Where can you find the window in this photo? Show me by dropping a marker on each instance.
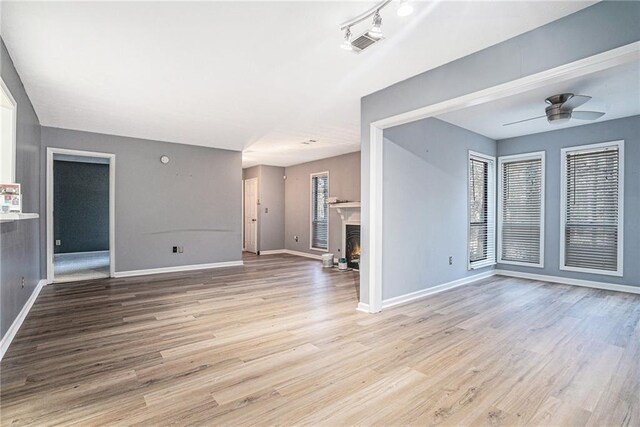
(591, 208)
(481, 245)
(8, 112)
(521, 209)
(319, 211)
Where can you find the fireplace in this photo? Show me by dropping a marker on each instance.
(350, 215)
(352, 245)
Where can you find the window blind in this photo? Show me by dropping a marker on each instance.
(521, 216)
(319, 211)
(481, 212)
(591, 209)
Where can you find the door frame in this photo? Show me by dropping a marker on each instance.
(601, 61)
(51, 151)
(255, 237)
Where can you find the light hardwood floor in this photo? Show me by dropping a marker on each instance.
(279, 341)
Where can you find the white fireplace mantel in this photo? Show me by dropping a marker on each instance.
(349, 211)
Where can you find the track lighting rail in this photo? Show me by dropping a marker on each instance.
(367, 14)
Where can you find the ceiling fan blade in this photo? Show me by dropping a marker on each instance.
(586, 115)
(575, 101)
(525, 120)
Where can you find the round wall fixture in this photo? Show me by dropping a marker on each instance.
(164, 159)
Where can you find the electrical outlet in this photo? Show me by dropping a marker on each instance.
(58, 242)
(450, 260)
(180, 249)
(266, 210)
(23, 282)
(175, 249)
(295, 238)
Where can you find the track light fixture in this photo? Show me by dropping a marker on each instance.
(346, 44)
(376, 30)
(405, 8)
(374, 34)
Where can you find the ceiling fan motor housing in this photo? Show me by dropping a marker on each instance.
(555, 113)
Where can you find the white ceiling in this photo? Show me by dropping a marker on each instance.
(261, 76)
(615, 91)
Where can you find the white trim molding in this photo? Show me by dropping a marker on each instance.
(291, 252)
(538, 155)
(619, 145)
(51, 151)
(176, 269)
(570, 281)
(8, 151)
(273, 252)
(402, 299)
(491, 210)
(373, 250)
(302, 254)
(363, 307)
(17, 322)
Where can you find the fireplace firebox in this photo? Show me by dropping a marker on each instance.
(352, 245)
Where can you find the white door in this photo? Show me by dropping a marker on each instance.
(251, 215)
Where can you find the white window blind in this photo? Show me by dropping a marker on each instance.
(481, 245)
(319, 211)
(592, 209)
(521, 207)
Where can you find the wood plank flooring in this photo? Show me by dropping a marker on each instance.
(279, 342)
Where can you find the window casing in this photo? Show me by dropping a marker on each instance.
(521, 192)
(592, 195)
(481, 211)
(319, 239)
(8, 117)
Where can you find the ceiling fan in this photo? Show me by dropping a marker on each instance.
(560, 109)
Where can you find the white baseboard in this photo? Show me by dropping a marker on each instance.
(304, 254)
(273, 252)
(176, 269)
(570, 281)
(15, 326)
(363, 307)
(391, 302)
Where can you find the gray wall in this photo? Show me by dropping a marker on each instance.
(425, 204)
(596, 29)
(272, 194)
(193, 201)
(344, 183)
(271, 205)
(81, 204)
(627, 129)
(19, 248)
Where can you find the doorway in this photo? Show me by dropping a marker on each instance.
(80, 215)
(251, 215)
